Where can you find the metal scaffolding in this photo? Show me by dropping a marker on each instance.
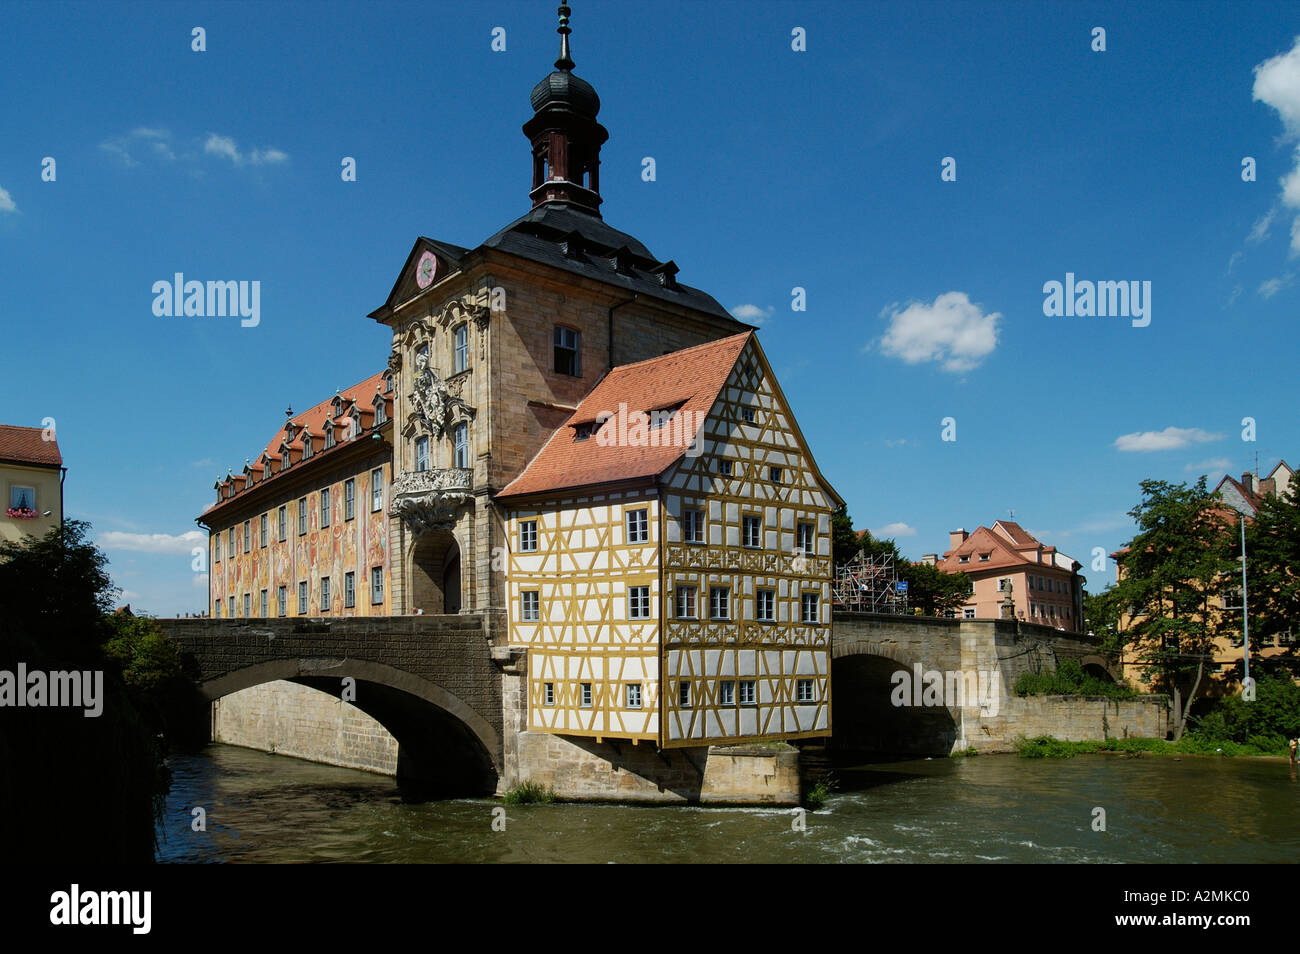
(870, 585)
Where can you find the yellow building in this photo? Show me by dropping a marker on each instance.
(31, 478)
(303, 530)
(670, 559)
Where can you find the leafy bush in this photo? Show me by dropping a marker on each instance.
(1265, 724)
(530, 793)
(821, 790)
(1069, 679)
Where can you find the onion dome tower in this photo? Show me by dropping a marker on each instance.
(565, 135)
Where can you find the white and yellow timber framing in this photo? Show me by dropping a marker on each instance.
(583, 568)
(581, 572)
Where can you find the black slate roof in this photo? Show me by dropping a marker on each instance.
(557, 234)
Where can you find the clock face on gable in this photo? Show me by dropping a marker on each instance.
(426, 269)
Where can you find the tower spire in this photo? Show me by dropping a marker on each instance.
(565, 62)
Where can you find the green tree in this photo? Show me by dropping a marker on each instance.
(844, 540)
(72, 788)
(1102, 614)
(1273, 567)
(931, 591)
(160, 680)
(1172, 578)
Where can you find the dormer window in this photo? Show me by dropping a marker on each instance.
(583, 431)
(329, 434)
(388, 382)
(380, 415)
(306, 445)
(984, 557)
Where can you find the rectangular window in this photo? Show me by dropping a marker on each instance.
(376, 585)
(548, 693)
(747, 694)
(349, 498)
(693, 526)
(968, 613)
(325, 507)
(804, 690)
(461, 336)
(530, 608)
(282, 601)
(719, 602)
(686, 602)
(282, 523)
(567, 359)
(765, 606)
(585, 689)
(752, 526)
(248, 535)
(727, 692)
(638, 602)
(248, 604)
(324, 594)
(528, 536)
(460, 436)
(422, 453)
(349, 590)
(216, 609)
(638, 526)
(634, 695)
(230, 542)
(748, 414)
(302, 596)
(984, 557)
(724, 468)
(775, 474)
(684, 694)
(216, 548)
(302, 516)
(810, 614)
(376, 490)
(262, 604)
(231, 604)
(261, 530)
(805, 539)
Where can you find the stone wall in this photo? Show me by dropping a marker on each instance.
(584, 770)
(289, 719)
(1072, 718)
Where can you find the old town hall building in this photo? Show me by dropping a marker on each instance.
(571, 442)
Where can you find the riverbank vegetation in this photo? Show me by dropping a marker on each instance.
(1069, 679)
(529, 793)
(82, 781)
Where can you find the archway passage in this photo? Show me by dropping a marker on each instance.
(445, 749)
(866, 722)
(435, 573)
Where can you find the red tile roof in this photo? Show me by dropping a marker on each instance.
(1008, 545)
(310, 422)
(690, 379)
(24, 444)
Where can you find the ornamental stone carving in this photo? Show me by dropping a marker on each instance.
(428, 500)
(431, 402)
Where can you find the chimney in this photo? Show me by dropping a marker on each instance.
(956, 538)
(1248, 481)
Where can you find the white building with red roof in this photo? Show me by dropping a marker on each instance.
(31, 479)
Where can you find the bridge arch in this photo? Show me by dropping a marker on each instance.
(446, 748)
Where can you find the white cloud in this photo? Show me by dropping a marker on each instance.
(752, 313)
(951, 329)
(1277, 84)
(7, 202)
(1274, 285)
(1171, 438)
(226, 147)
(153, 542)
(895, 443)
(898, 529)
(156, 142)
(1259, 231)
(1211, 466)
(205, 462)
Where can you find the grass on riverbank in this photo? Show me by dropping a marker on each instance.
(1048, 747)
(529, 793)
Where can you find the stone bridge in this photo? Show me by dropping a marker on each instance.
(872, 709)
(429, 680)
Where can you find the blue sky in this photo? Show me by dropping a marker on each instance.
(775, 169)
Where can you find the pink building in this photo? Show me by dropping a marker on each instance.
(1016, 576)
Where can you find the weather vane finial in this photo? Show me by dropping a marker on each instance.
(565, 62)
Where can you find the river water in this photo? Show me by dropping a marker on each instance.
(1000, 808)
